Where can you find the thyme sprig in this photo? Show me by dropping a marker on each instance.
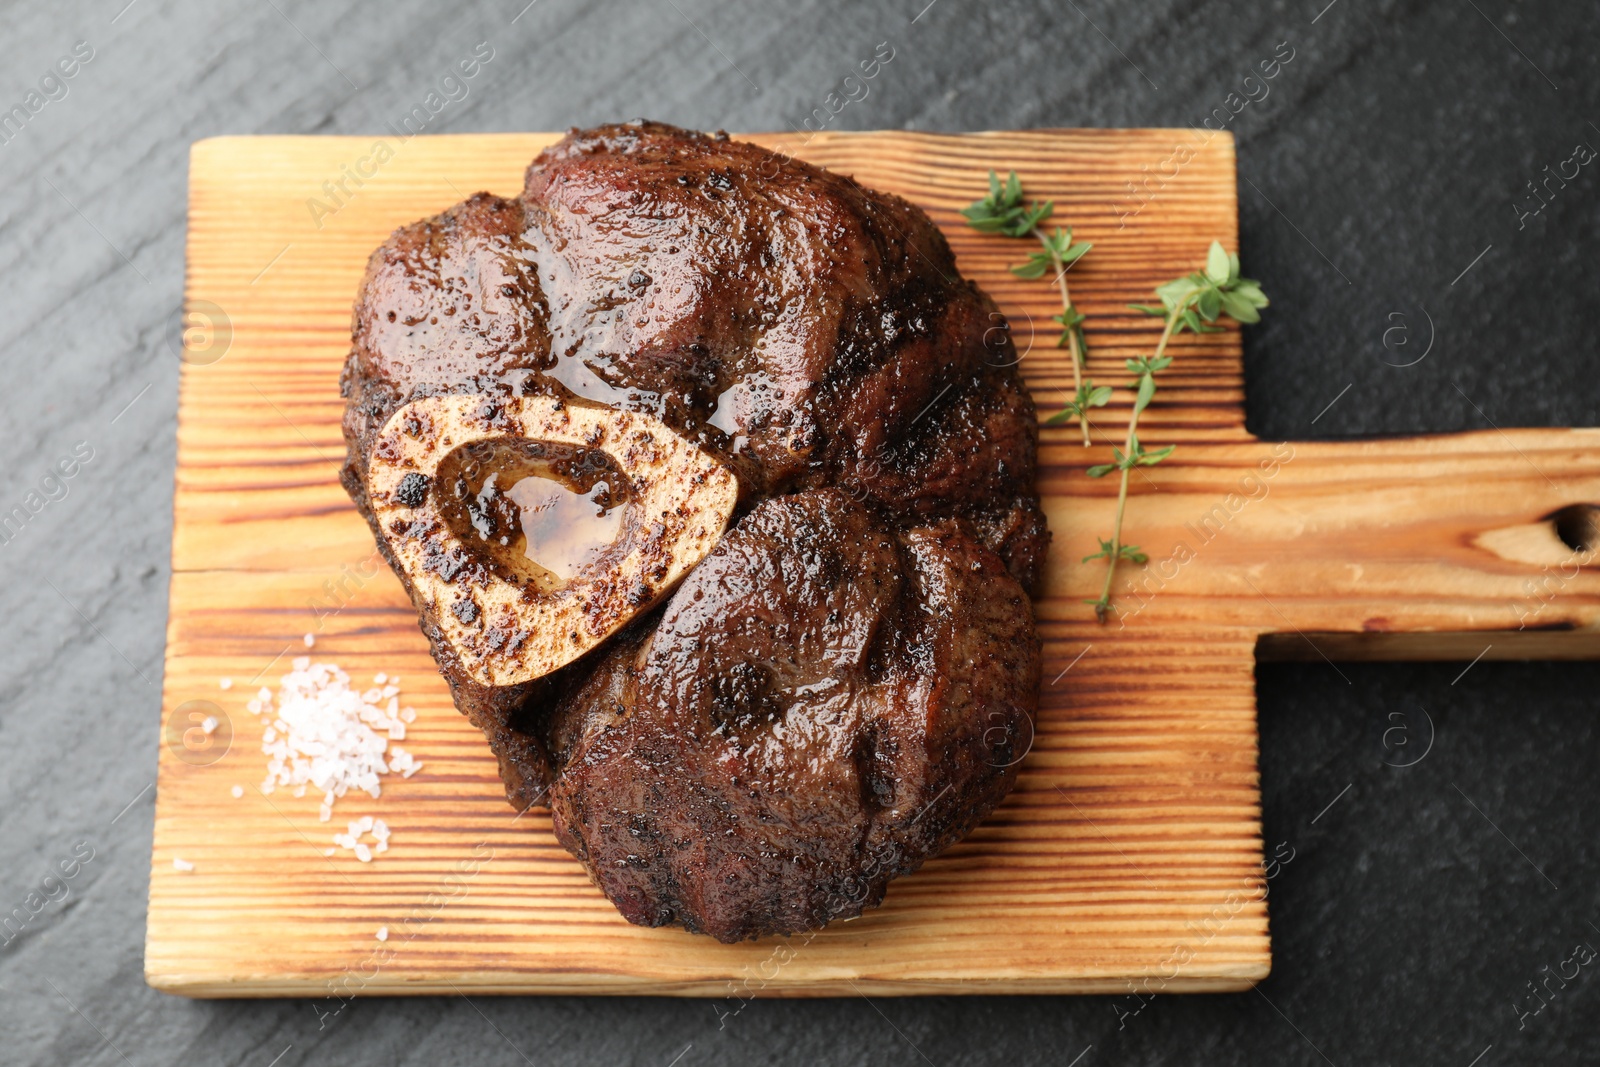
(1193, 302)
(1004, 212)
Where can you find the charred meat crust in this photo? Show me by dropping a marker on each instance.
(826, 703)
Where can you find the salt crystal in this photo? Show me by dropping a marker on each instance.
(209, 724)
(379, 679)
(383, 933)
(321, 734)
(226, 683)
(238, 791)
(327, 736)
(182, 864)
(310, 640)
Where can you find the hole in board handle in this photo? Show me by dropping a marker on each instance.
(1578, 526)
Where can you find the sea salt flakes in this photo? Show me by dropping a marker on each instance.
(383, 933)
(326, 734)
(238, 791)
(351, 841)
(321, 734)
(226, 683)
(182, 864)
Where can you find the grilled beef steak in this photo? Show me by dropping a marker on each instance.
(827, 701)
(843, 686)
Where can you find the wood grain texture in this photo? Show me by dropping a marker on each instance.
(1131, 849)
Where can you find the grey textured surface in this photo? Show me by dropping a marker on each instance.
(1389, 154)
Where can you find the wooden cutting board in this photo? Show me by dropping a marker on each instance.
(1130, 854)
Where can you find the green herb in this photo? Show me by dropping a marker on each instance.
(1003, 212)
(1193, 302)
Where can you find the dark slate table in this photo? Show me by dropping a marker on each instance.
(1384, 180)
